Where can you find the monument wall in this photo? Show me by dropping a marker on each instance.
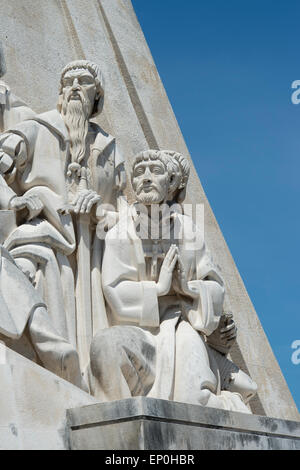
(39, 39)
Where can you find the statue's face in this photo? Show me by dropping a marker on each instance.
(79, 85)
(150, 182)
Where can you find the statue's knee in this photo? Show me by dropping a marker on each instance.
(104, 349)
(70, 360)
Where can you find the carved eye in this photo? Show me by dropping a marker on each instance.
(86, 80)
(157, 170)
(138, 171)
(67, 82)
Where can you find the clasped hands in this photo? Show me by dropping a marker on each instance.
(163, 286)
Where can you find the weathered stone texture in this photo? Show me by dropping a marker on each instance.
(39, 39)
(149, 424)
(33, 404)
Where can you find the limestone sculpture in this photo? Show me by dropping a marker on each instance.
(57, 169)
(23, 313)
(25, 325)
(159, 330)
(164, 301)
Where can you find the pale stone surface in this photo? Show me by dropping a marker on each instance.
(24, 322)
(33, 404)
(12, 108)
(137, 111)
(63, 166)
(274, 398)
(149, 424)
(7, 225)
(164, 298)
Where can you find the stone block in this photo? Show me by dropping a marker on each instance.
(150, 424)
(33, 404)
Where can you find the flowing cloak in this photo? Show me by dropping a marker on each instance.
(132, 297)
(50, 239)
(18, 299)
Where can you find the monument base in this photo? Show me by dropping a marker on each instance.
(33, 404)
(149, 424)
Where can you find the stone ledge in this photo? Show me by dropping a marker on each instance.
(33, 404)
(151, 424)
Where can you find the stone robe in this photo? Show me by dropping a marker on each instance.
(156, 346)
(24, 322)
(49, 240)
(15, 310)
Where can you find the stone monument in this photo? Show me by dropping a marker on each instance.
(122, 293)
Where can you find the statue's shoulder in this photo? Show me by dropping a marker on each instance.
(53, 121)
(48, 117)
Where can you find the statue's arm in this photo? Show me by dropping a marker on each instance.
(12, 149)
(16, 149)
(133, 302)
(130, 299)
(202, 285)
(207, 306)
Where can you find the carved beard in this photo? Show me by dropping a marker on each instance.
(75, 114)
(154, 197)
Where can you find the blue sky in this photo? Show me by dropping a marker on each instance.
(228, 68)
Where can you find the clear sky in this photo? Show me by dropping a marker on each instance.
(227, 67)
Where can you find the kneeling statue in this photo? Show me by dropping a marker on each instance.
(164, 301)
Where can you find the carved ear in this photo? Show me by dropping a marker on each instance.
(181, 195)
(173, 182)
(177, 190)
(98, 105)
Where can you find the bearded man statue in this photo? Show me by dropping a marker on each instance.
(168, 336)
(57, 169)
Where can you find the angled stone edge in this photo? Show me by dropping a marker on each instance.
(140, 419)
(33, 404)
(151, 408)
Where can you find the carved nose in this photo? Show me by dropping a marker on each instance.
(75, 85)
(147, 176)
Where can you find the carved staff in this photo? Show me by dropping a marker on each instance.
(83, 281)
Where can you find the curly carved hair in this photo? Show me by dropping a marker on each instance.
(175, 163)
